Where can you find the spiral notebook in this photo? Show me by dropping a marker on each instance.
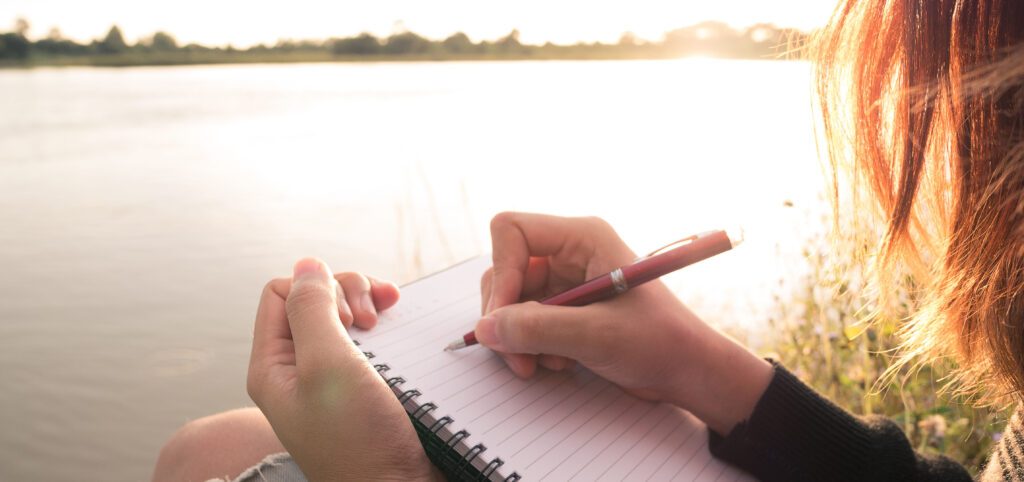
(478, 421)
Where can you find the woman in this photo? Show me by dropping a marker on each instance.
(922, 103)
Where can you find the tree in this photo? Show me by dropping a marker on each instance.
(362, 44)
(763, 40)
(510, 42)
(21, 27)
(764, 32)
(713, 29)
(705, 38)
(13, 46)
(54, 34)
(406, 43)
(114, 42)
(163, 41)
(458, 43)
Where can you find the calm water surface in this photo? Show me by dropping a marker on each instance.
(141, 210)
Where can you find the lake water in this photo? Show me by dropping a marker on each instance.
(142, 209)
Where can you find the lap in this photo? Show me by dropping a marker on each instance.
(274, 468)
(219, 446)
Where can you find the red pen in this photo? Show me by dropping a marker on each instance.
(658, 263)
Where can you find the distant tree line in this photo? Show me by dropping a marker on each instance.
(707, 39)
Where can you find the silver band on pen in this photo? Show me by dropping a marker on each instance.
(619, 281)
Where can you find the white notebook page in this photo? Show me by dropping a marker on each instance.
(555, 426)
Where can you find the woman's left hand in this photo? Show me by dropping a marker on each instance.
(327, 405)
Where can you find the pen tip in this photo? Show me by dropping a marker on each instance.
(736, 235)
(455, 345)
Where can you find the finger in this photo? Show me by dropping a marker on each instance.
(358, 297)
(582, 333)
(485, 289)
(271, 325)
(535, 280)
(515, 237)
(385, 293)
(312, 312)
(511, 251)
(534, 284)
(523, 365)
(344, 311)
(553, 362)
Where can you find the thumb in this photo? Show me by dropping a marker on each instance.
(312, 311)
(531, 327)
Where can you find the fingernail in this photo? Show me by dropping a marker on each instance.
(306, 268)
(487, 333)
(367, 303)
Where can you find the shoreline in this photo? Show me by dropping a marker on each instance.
(223, 58)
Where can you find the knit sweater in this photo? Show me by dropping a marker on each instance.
(1004, 463)
(794, 434)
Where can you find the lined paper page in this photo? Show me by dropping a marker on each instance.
(555, 426)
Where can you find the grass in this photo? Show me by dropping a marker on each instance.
(820, 331)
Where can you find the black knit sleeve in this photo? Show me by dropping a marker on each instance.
(794, 434)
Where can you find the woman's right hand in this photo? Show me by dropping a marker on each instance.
(644, 340)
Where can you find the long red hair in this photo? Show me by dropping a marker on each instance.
(923, 113)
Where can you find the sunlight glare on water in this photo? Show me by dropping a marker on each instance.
(144, 208)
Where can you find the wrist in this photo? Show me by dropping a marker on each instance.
(723, 380)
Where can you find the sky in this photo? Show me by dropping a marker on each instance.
(221, 22)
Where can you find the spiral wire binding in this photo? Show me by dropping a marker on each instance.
(408, 395)
(493, 465)
(395, 381)
(455, 439)
(424, 409)
(472, 454)
(440, 423)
